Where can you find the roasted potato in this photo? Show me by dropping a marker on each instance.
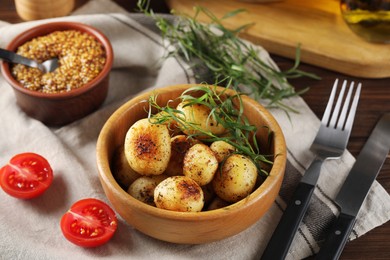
(200, 164)
(208, 194)
(199, 115)
(179, 147)
(222, 150)
(236, 179)
(143, 188)
(121, 169)
(179, 193)
(165, 119)
(148, 147)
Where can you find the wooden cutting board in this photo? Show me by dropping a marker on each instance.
(326, 41)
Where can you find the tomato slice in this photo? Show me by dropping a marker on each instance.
(89, 223)
(26, 176)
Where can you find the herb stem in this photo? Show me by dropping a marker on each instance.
(226, 56)
(226, 110)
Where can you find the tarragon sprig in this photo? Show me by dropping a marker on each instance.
(218, 51)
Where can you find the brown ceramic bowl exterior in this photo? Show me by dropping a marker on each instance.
(188, 227)
(56, 109)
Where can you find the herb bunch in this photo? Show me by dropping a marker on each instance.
(226, 110)
(226, 57)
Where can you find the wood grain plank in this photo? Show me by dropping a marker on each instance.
(325, 39)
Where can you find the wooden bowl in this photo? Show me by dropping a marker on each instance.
(186, 227)
(56, 109)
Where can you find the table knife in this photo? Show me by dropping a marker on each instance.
(355, 188)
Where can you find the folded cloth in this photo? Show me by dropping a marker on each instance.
(30, 229)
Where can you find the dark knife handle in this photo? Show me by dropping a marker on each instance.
(284, 233)
(337, 238)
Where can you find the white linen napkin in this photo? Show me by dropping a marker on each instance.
(30, 229)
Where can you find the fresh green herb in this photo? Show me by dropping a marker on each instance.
(225, 57)
(227, 110)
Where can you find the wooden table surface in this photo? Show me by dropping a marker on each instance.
(374, 101)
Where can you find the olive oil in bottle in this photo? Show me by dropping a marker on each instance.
(370, 19)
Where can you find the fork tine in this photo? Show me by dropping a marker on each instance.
(336, 109)
(328, 109)
(351, 116)
(343, 115)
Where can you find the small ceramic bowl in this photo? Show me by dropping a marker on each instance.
(188, 227)
(56, 109)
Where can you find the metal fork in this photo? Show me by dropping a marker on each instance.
(330, 143)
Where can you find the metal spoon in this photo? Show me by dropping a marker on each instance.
(46, 66)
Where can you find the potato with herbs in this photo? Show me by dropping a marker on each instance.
(179, 193)
(198, 114)
(236, 179)
(143, 188)
(222, 149)
(148, 147)
(202, 174)
(179, 147)
(200, 164)
(165, 119)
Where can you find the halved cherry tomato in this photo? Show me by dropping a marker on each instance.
(89, 223)
(26, 176)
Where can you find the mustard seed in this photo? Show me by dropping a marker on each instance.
(81, 59)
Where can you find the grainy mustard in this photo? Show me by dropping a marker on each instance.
(81, 58)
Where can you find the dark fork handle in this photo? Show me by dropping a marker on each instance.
(284, 233)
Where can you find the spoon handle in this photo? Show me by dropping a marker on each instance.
(16, 58)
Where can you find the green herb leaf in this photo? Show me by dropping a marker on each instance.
(227, 110)
(227, 58)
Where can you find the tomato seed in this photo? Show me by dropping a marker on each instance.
(95, 233)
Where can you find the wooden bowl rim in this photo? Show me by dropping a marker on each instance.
(106, 176)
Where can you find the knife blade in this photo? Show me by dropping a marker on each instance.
(356, 187)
